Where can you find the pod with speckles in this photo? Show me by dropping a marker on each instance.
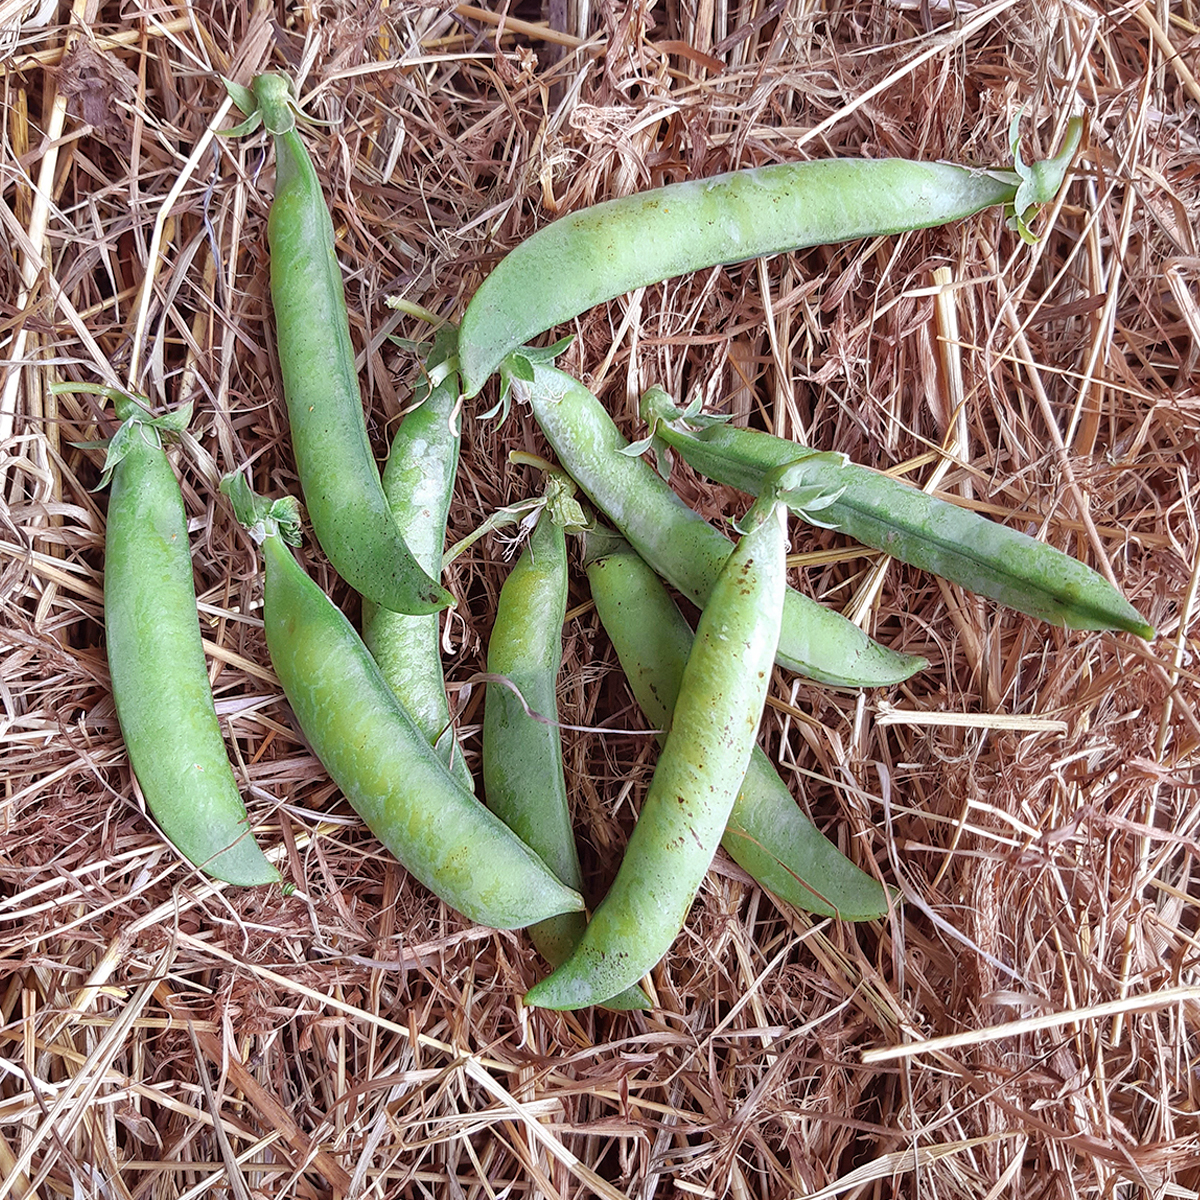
(697, 777)
(767, 834)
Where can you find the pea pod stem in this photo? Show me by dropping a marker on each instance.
(983, 556)
(608, 249)
(338, 474)
(696, 780)
(679, 544)
(418, 482)
(156, 658)
(522, 757)
(383, 764)
(767, 834)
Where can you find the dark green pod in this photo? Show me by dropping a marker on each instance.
(342, 489)
(983, 556)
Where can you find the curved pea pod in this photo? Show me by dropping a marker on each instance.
(522, 756)
(418, 482)
(340, 480)
(696, 779)
(981, 555)
(767, 833)
(390, 774)
(592, 255)
(680, 545)
(156, 659)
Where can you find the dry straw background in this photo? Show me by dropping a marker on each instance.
(1033, 794)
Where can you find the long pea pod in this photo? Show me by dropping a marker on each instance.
(767, 833)
(418, 482)
(678, 543)
(696, 779)
(522, 754)
(605, 250)
(340, 480)
(981, 555)
(156, 658)
(387, 770)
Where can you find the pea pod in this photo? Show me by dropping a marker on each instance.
(156, 658)
(338, 474)
(767, 833)
(696, 779)
(678, 543)
(592, 255)
(418, 482)
(390, 774)
(522, 755)
(981, 555)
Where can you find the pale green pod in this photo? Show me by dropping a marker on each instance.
(522, 754)
(342, 489)
(156, 662)
(418, 482)
(680, 545)
(607, 249)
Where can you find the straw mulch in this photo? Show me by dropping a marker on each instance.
(1033, 794)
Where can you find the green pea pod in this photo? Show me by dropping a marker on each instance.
(338, 474)
(522, 756)
(679, 544)
(387, 770)
(592, 255)
(767, 833)
(419, 482)
(696, 780)
(981, 555)
(156, 660)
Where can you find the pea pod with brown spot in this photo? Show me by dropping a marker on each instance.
(767, 834)
(696, 780)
